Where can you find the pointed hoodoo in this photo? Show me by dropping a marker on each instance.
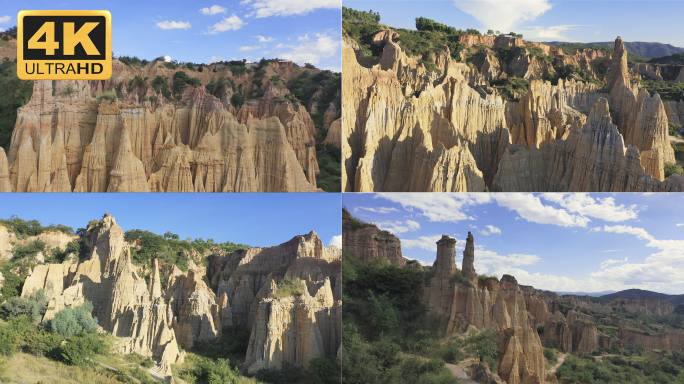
(619, 71)
(469, 260)
(155, 281)
(311, 163)
(446, 257)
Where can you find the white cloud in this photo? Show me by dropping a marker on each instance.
(490, 262)
(585, 205)
(266, 8)
(336, 241)
(263, 39)
(611, 250)
(324, 46)
(556, 283)
(611, 261)
(680, 224)
(439, 207)
(376, 210)
(597, 32)
(530, 208)
(333, 69)
(453, 207)
(503, 15)
(398, 226)
(174, 25)
(167, 59)
(553, 33)
(490, 229)
(660, 271)
(249, 48)
(303, 38)
(5, 19)
(227, 24)
(215, 59)
(423, 242)
(214, 9)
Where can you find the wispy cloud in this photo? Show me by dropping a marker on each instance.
(263, 39)
(376, 209)
(249, 48)
(228, 23)
(398, 226)
(174, 25)
(266, 8)
(214, 9)
(5, 19)
(504, 15)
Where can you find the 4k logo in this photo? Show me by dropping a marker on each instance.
(64, 45)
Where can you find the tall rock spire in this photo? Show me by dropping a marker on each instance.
(619, 72)
(446, 257)
(155, 281)
(469, 260)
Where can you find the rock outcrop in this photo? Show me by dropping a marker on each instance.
(367, 242)
(462, 304)
(65, 139)
(288, 329)
(123, 303)
(406, 128)
(153, 319)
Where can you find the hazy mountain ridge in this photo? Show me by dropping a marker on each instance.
(646, 49)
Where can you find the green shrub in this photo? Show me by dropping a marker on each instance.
(27, 252)
(33, 306)
(191, 66)
(326, 368)
(674, 129)
(219, 371)
(67, 91)
(540, 329)
(237, 100)
(72, 321)
(672, 169)
(79, 348)
(107, 95)
(550, 355)
(484, 345)
(288, 287)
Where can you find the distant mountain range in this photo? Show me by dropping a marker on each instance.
(640, 48)
(630, 294)
(643, 294)
(592, 294)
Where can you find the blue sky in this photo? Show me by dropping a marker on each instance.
(562, 242)
(257, 219)
(544, 20)
(205, 31)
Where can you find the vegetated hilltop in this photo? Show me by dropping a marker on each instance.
(464, 112)
(636, 294)
(232, 126)
(643, 51)
(406, 322)
(195, 310)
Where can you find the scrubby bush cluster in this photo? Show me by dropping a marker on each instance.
(24, 229)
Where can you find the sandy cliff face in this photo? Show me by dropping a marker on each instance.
(153, 320)
(469, 303)
(369, 242)
(290, 329)
(123, 303)
(408, 129)
(66, 140)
